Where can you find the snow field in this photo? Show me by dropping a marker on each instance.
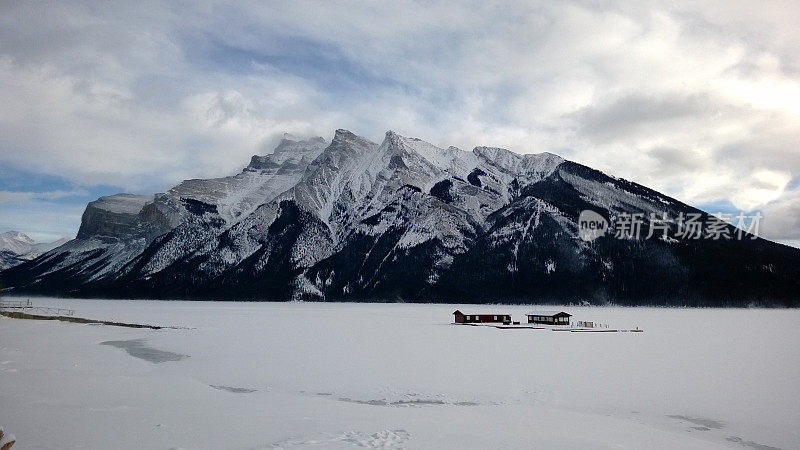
(314, 375)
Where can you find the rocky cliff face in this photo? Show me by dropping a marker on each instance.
(112, 218)
(405, 220)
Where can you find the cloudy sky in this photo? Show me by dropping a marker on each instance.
(699, 100)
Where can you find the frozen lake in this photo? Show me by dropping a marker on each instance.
(317, 375)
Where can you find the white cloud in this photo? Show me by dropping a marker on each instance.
(762, 187)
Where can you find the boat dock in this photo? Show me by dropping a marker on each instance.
(27, 307)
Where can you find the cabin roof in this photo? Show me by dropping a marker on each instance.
(548, 313)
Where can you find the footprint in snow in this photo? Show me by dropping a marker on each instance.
(386, 439)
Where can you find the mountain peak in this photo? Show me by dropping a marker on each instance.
(16, 236)
(294, 138)
(17, 247)
(392, 138)
(341, 133)
(406, 143)
(343, 136)
(344, 139)
(290, 149)
(292, 143)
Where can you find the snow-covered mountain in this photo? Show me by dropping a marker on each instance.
(16, 248)
(402, 220)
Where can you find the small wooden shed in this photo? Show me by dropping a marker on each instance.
(481, 318)
(549, 317)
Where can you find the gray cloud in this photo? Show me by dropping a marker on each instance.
(782, 219)
(640, 113)
(671, 160)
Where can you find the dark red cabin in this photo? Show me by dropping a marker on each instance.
(481, 318)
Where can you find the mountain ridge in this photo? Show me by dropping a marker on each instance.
(403, 220)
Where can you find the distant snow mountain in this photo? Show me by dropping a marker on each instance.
(16, 248)
(402, 220)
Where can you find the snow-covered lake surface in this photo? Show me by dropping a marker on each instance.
(313, 375)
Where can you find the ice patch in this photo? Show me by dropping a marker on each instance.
(409, 400)
(234, 389)
(700, 421)
(382, 402)
(137, 349)
(750, 444)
